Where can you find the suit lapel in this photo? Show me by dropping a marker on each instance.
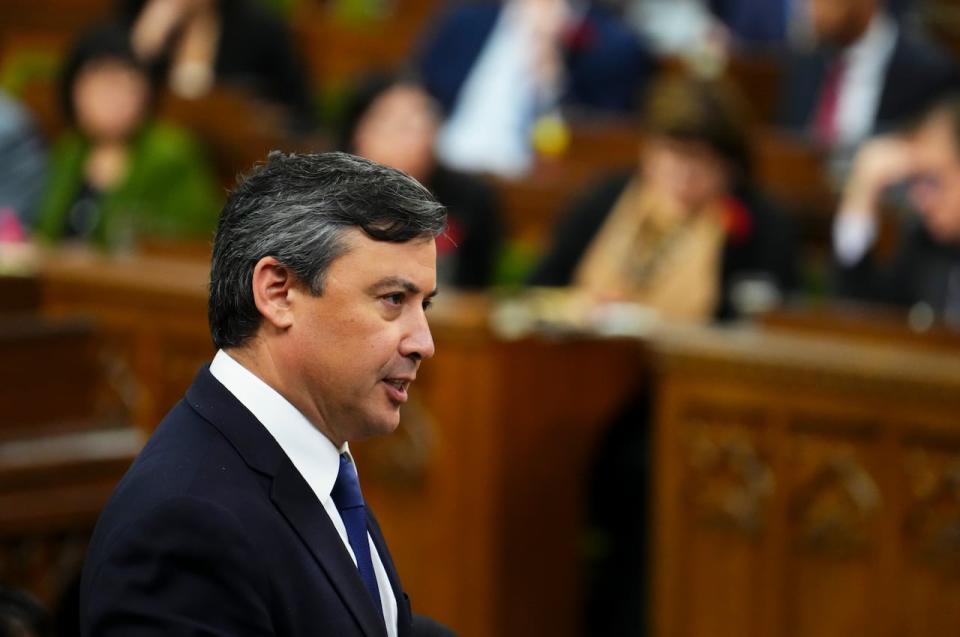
(290, 494)
(306, 515)
(898, 74)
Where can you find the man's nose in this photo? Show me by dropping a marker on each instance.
(418, 343)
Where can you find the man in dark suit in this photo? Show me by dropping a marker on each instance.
(924, 271)
(243, 514)
(498, 69)
(866, 74)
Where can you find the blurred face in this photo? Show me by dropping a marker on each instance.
(546, 16)
(352, 352)
(840, 22)
(399, 130)
(688, 173)
(110, 100)
(936, 187)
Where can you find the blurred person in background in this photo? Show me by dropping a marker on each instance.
(866, 74)
(686, 233)
(924, 271)
(683, 229)
(498, 69)
(682, 27)
(393, 121)
(117, 174)
(24, 160)
(196, 44)
(22, 616)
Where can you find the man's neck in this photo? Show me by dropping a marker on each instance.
(259, 360)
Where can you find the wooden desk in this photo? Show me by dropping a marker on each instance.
(864, 322)
(805, 486)
(50, 376)
(52, 490)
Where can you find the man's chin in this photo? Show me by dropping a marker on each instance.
(382, 425)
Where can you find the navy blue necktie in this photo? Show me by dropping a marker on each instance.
(349, 502)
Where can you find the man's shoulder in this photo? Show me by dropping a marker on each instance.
(918, 59)
(186, 457)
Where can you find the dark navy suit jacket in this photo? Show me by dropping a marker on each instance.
(921, 270)
(213, 532)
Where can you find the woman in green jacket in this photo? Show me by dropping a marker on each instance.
(118, 175)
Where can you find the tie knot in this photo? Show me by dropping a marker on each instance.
(346, 490)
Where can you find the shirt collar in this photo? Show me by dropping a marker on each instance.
(312, 453)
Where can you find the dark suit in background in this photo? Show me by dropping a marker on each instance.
(214, 532)
(921, 271)
(917, 74)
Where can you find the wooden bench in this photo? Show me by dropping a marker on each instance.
(51, 376)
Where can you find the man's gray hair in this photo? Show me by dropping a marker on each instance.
(297, 208)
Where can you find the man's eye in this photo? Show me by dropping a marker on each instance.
(427, 304)
(394, 299)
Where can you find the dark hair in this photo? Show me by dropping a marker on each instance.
(363, 96)
(20, 612)
(102, 42)
(710, 111)
(296, 208)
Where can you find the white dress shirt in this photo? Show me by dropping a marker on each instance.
(865, 68)
(489, 127)
(312, 454)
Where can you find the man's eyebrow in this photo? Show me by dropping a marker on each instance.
(399, 282)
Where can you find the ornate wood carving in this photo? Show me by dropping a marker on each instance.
(730, 481)
(932, 521)
(834, 507)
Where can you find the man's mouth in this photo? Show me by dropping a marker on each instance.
(397, 388)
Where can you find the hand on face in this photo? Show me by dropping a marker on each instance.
(929, 161)
(935, 190)
(881, 163)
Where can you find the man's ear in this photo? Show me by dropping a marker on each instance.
(272, 284)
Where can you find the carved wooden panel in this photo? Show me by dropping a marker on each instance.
(930, 533)
(834, 536)
(727, 487)
(836, 512)
(49, 375)
(52, 489)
